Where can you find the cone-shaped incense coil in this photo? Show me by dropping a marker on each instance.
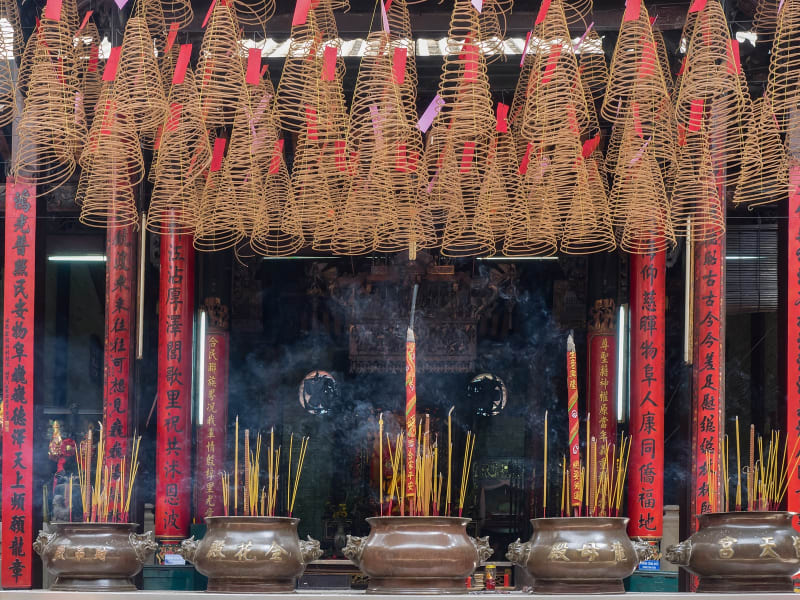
(712, 85)
(663, 59)
(492, 23)
(10, 12)
(783, 85)
(220, 68)
(763, 178)
(533, 221)
(501, 183)
(638, 200)
(577, 12)
(8, 91)
(177, 11)
(89, 68)
(555, 102)
(592, 65)
(587, 227)
(765, 20)
(184, 155)
(153, 13)
(634, 64)
(215, 225)
(51, 129)
(139, 90)
(254, 12)
(297, 85)
(115, 168)
(697, 209)
(26, 62)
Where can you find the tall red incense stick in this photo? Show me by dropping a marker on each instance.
(574, 439)
(411, 409)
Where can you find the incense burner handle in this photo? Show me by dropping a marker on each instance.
(143, 545)
(645, 550)
(42, 541)
(188, 549)
(310, 550)
(354, 548)
(483, 547)
(680, 554)
(518, 552)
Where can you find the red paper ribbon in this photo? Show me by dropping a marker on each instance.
(110, 72)
(253, 76)
(552, 61)
(184, 54)
(217, 154)
(329, 63)
(466, 157)
(399, 59)
(501, 124)
(275, 161)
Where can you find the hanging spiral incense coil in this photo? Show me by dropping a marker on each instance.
(577, 12)
(492, 24)
(500, 184)
(587, 226)
(663, 60)
(634, 64)
(10, 12)
(783, 84)
(184, 155)
(254, 12)
(298, 77)
(220, 68)
(8, 91)
(215, 224)
(712, 84)
(698, 211)
(153, 13)
(177, 11)
(139, 89)
(51, 129)
(765, 20)
(91, 82)
(638, 201)
(26, 62)
(533, 222)
(592, 65)
(555, 103)
(763, 177)
(116, 167)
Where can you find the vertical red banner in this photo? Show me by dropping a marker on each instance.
(793, 333)
(411, 419)
(212, 419)
(174, 437)
(601, 371)
(118, 359)
(707, 427)
(18, 378)
(648, 328)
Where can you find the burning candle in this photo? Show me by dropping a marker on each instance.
(574, 440)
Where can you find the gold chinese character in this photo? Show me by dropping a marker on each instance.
(619, 552)
(210, 460)
(558, 552)
(726, 546)
(243, 552)
(216, 549)
(589, 550)
(210, 487)
(604, 406)
(604, 370)
(212, 367)
(210, 446)
(604, 342)
(768, 548)
(59, 555)
(276, 553)
(79, 553)
(212, 421)
(212, 381)
(100, 554)
(796, 544)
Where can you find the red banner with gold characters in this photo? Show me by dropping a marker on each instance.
(793, 333)
(118, 359)
(707, 383)
(174, 437)
(211, 423)
(647, 335)
(411, 419)
(601, 370)
(18, 378)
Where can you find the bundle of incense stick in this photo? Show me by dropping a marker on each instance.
(262, 500)
(109, 498)
(601, 482)
(430, 482)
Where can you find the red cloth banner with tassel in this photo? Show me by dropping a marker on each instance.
(18, 377)
(174, 427)
(645, 489)
(118, 348)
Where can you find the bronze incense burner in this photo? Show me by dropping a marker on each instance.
(755, 551)
(94, 557)
(251, 554)
(417, 555)
(579, 555)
